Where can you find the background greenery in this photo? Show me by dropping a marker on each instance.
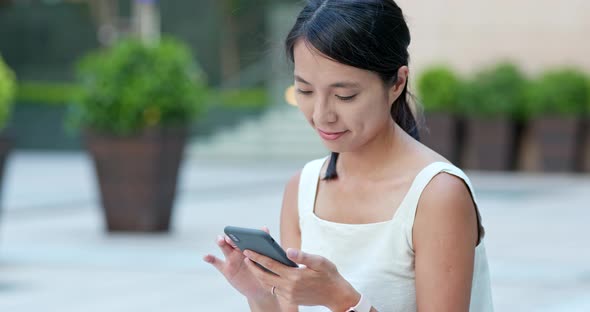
(559, 91)
(132, 86)
(503, 90)
(494, 92)
(7, 91)
(438, 89)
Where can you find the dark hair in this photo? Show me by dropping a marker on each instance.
(367, 34)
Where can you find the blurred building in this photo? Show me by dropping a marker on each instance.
(469, 34)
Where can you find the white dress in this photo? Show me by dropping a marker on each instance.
(378, 258)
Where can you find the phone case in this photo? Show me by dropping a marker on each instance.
(258, 241)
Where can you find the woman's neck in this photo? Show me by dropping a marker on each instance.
(376, 159)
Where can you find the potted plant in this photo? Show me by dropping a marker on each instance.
(556, 102)
(7, 93)
(490, 103)
(136, 103)
(438, 90)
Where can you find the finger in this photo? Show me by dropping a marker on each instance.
(217, 263)
(314, 262)
(270, 264)
(264, 228)
(230, 242)
(261, 275)
(226, 248)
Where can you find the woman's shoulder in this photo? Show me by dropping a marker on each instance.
(441, 175)
(426, 155)
(422, 157)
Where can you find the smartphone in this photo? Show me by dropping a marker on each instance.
(258, 241)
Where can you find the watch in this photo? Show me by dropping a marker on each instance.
(362, 306)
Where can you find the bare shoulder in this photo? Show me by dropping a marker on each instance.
(446, 206)
(444, 241)
(445, 187)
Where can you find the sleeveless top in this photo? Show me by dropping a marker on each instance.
(378, 258)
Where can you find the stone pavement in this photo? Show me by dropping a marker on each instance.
(55, 255)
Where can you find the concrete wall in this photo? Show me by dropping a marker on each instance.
(470, 33)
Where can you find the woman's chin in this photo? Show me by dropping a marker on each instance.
(336, 147)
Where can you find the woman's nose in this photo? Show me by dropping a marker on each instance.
(323, 113)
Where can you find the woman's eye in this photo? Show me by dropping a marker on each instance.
(345, 98)
(303, 91)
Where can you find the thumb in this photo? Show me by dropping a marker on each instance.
(314, 262)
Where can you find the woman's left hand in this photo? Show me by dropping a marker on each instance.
(315, 282)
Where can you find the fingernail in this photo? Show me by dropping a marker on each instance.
(292, 252)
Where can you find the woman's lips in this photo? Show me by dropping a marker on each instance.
(331, 136)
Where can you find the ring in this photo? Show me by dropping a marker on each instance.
(272, 291)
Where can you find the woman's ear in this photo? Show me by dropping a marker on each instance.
(398, 86)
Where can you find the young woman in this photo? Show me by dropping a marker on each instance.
(383, 223)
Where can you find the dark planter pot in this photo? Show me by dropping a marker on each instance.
(489, 144)
(41, 126)
(137, 176)
(552, 144)
(442, 134)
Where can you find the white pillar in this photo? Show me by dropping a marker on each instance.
(146, 19)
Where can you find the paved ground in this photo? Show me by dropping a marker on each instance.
(55, 255)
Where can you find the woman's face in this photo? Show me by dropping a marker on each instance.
(347, 106)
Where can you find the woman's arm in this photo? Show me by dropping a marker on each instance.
(290, 238)
(444, 239)
(290, 231)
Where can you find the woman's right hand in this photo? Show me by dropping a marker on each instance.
(235, 270)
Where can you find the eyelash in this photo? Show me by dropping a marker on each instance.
(346, 98)
(341, 98)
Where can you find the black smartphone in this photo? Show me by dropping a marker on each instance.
(260, 242)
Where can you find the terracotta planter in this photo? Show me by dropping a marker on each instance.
(551, 144)
(442, 134)
(137, 176)
(488, 144)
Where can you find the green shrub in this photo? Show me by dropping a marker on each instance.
(133, 86)
(52, 93)
(496, 91)
(438, 89)
(7, 92)
(562, 92)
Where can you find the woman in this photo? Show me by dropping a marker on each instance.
(383, 223)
